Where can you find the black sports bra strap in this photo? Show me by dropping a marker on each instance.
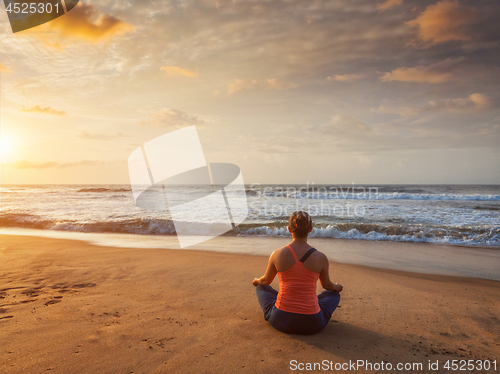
(307, 254)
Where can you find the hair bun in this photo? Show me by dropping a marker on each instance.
(300, 223)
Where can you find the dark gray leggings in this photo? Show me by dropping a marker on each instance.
(294, 323)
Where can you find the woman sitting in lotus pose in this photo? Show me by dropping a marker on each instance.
(296, 309)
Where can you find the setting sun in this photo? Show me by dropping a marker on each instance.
(7, 145)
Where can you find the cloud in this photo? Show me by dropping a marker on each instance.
(83, 22)
(344, 126)
(402, 111)
(345, 77)
(419, 74)
(4, 69)
(433, 74)
(86, 135)
(388, 4)
(442, 22)
(240, 84)
(24, 164)
(46, 110)
(270, 84)
(475, 101)
(277, 140)
(175, 70)
(490, 128)
(30, 165)
(472, 103)
(345, 132)
(172, 118)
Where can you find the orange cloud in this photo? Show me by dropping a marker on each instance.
(442, 22)
(270, 84)
(402, 111)
(345, 77)
(30, 165)
(24, 164)
(418, 74)
(175, 70)
(480, 100)
(240, 84)
(89, 136)
(46, 110)
(172, 118)
(4, 69)
(474, 102)
(388, 4)
(83, 22)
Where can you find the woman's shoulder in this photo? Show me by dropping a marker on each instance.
(322, 257)
(318, 252)
(281, 254)
(280, 251)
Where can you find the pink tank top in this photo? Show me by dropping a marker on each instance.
(298, 289)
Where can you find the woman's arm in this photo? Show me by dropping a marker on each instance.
(271, 272)
(324, 277)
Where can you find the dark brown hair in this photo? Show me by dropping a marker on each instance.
(300, 223)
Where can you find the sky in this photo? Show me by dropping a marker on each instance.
(324, 92)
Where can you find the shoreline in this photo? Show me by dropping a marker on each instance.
(424, 258)
(70, 306)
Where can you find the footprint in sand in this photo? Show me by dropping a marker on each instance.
(59, 286)
(10, 288)
(84, 285)
(50, 302)
(25, 301)
(32, 292)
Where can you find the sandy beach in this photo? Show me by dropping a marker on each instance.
(67, 306)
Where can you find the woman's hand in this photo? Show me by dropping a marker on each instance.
(338, 287)
(271, 272)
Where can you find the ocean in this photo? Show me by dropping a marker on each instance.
(449, 214)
